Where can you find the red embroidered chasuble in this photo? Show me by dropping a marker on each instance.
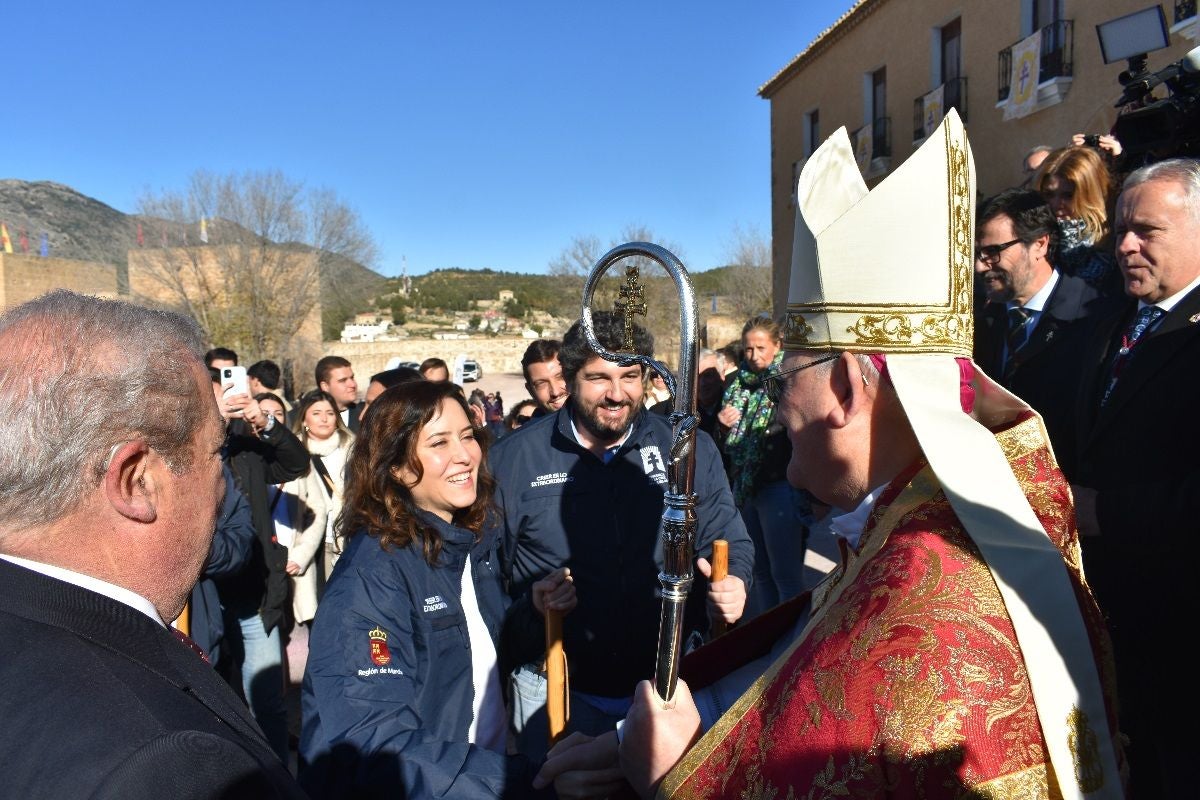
(909, 682)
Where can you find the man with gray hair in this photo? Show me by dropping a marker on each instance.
(1136, 482)
(110, 482)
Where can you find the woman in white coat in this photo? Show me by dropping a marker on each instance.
(328, 440)
(300, 512)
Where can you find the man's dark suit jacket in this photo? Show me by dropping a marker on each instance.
(1045, 372)
(1141, 452)
(99, 701)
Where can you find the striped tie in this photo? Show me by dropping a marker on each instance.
(1133, 334)
(1018, 321)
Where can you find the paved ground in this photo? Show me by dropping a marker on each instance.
(510, 385)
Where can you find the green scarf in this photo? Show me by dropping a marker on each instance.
(745, 440)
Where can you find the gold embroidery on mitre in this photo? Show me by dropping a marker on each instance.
(947, 329)
(796, 328)
(1085, 751)
(882, 329)
(951, 327)
(962, 245)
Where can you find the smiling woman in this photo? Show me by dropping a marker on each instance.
(406, 635)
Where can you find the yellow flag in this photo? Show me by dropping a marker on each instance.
(204, 230)
(4, 238)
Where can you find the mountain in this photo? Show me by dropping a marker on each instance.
(83, 228)
(78, 226)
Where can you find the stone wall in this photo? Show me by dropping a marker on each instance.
(24, 277)
(495, 355)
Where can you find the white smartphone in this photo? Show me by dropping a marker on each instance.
(233, 381)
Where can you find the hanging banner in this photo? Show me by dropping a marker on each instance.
(863, 141)
(1022, 86)
(934, 109)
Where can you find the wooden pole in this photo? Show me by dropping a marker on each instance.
(557, 708)
(720, 569)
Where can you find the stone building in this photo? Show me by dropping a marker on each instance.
(887, 70)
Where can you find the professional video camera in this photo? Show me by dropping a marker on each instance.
(1151, 128)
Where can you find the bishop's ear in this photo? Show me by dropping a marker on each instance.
(129, 483)
(850, 386)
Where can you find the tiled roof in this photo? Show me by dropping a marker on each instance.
(856, 14)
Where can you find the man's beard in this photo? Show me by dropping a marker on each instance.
(603, 431)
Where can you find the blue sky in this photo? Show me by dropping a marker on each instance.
(467, 134)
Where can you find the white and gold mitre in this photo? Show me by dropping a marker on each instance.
(888, 270)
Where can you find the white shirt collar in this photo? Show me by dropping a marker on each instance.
(1173, 300)
(110, 590)
(1039, 300)
(850, 525)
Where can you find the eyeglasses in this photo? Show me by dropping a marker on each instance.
(773, 381)
(990, 253)
(523, 418)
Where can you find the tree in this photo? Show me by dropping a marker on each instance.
(747, 284)
(252, 257)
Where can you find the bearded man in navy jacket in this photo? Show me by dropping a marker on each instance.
(583, 488)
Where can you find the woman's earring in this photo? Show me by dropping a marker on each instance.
(306, 429)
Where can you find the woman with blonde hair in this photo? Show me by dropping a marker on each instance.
(756, 449)
(1076, 183)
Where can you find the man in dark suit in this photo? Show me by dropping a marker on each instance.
(1023, 335)
(1137, 486)
(111, 481)
(335, 376)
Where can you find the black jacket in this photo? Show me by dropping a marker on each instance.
(257, 462)
(562, 506)
(1047, 369)
(1139, 453)
(99, 701)
(388, 689)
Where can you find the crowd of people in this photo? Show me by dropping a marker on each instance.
(988, 459)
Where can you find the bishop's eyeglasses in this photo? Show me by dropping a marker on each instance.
(773, 380)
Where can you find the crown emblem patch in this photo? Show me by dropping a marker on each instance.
(379, 649)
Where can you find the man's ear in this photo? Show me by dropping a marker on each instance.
(1041, 245)
(128, 485)
(847, 383)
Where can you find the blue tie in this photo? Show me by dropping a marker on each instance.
(1018, 322)
(1133, 334)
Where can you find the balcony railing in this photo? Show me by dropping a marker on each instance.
(954, 95)
(1058, 47)
(881, 138)
(1184, 9)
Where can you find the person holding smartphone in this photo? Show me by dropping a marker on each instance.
(260, 452)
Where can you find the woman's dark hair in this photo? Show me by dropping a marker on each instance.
(376, 500)
(510, 421)
(258, 398)
(609, 327)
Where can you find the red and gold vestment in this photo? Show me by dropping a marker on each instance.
(908, 681)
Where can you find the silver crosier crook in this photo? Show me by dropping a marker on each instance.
(679, 502)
